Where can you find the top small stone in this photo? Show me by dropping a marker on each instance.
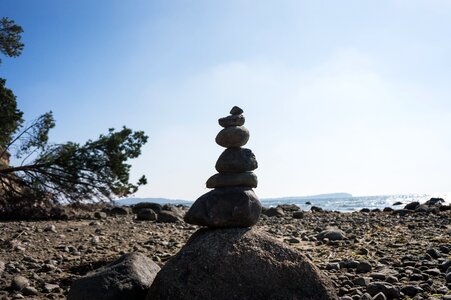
(236, 111)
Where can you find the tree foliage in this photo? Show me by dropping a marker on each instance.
(68, 172)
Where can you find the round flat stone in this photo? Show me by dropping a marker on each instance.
(247, 179)
(225, 207)
(236, 111)
(236, 160)
(233, 120)
(233, 137)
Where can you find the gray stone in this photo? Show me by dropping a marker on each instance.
(146, 214)
(30, 291)
(153, 206)
(380, 296)
(233, 137)
(236, 111)
(247, 179)
(332, 234)
(233, 120)
(298, 214)
(118, 210)
(129, 277)
(363, 267)
(168, 216)
(225, 207)
(411, 290)
(19, 283)
(387, 289)
(236, 160)
(274, 212)
(100, 215)
(238, 263)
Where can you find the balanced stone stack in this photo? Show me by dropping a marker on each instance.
(232, 202)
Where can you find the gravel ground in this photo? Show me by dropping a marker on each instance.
(368, 255)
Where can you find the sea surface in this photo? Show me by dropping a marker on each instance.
(349, 204)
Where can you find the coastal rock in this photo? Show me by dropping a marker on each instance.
(247, 179)
(236, 111)
(236, 160)
(168, 216)
(332, 234)
(153, 206)
(274, 212)
(129, 277)
(412, 206)
(146, 214)
(233, 120)
(225, 207)
(19, 283)
(233, 137)
(239, 263)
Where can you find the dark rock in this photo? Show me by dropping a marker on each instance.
(448, 277)
(119, 210)
(365, 210)
(274, 212)
(298, 215)
(247, 179)
(153, 206)
(349, 264)
(19, 283)
(225, 207)
(146, 214)
(30, 291)
(233, 137)
(316, 209)
(387, 289)
(167, 216)
(434, 201)
(289, 207)
(233, 120)
(100, 215)
(363, 267)
(379, 296)
(236, 111)
(411, 290)
(434, 253)
(333, 234)
(238, 263)
(308, 203)
(397, 203)
(362, 281)
(129, 277)
(236, 160)
(388, 209)
(412, 205)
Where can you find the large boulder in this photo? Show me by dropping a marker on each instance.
(239, 263)
(141, 205)
(129, 277)
(225, 207)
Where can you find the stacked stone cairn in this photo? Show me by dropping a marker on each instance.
(232, 202)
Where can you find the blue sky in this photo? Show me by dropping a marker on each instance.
(339, 96)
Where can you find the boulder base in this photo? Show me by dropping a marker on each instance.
(239, 263)
(225, 207)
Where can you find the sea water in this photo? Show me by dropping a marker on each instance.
(350, 204)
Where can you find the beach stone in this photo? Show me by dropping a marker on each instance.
(274, 212)
(169, 216)
(247, 179)
(412, 205)
(153, 206)
(333, 234)
(411, 290)
(239, 263)
(30, 291)
(129, 277)
(225, 207)
(363, 267)
(236, 160)
(233, 120)
(233, 137)
(118, 210)
(236, 111)
(298, 214)
(146, 214)
(19, 283)
(387, 289)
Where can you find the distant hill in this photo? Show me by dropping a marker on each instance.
(133, 201)
(313, 197)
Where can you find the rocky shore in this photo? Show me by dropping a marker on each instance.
(404, 254)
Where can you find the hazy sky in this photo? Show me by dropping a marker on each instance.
(339, 96)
